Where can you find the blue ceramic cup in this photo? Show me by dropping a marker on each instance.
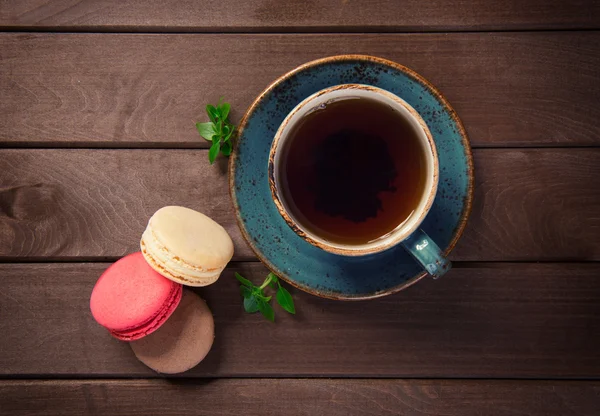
(424, 250)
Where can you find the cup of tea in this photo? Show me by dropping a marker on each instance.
(353, 170)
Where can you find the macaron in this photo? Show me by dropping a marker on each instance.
(186, 246)
(182, 342)
(132, 300)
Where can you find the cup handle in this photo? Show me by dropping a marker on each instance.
(427, 253)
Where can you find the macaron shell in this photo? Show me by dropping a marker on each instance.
(151, 326)
(130, 294)
(182, 341)
(164, 263)
(192, 237)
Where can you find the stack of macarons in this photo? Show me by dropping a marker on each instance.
(141, 299)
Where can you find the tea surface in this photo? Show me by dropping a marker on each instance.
(352, 171)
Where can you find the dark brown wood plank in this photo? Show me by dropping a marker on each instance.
(300, 397)
(68, 204)
(297, 15)
(517, 89)
(534, 205)
(488, 320)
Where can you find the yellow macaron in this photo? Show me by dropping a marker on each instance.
(186, 246)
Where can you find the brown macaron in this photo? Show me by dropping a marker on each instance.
(182, 341)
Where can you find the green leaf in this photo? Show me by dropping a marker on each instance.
(245, 291)
(251, 304)
(284, 298)
(224, 110)
(266, 310)
(226, 130)
(212, 112)
(219, 130)
(206, 130)
(214, 151)
(243, 280)
(258, 294)
(228, 136)
(226, 148)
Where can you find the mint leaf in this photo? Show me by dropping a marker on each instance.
(284, 298)
(246, 292)
(243, 280)
(214, 151)
(266, 310)
(212, 112)
(264, 298)
(206, 130)
(256, 300)
(219, 130)
(251, 304)
(228, 136)
(258, 293)
(224, 110)
(226, 130)
(226, 148)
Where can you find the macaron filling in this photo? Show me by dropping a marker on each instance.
(161, 259)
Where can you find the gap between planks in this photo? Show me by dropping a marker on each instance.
(320, 30)
(203, 146)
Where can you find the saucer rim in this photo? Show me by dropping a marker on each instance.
(468, 201)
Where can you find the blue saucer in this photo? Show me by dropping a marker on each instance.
(289, 256)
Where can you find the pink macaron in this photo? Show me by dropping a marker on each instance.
(132, 300)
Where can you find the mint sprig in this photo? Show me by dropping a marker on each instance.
(219, 130)
(255, 299)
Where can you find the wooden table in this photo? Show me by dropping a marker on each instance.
(97, 108)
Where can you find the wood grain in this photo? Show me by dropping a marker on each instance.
(534, 205)
(300, 397)
(297, 15)
(483, 320)
(64, 204)
(115, 90)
